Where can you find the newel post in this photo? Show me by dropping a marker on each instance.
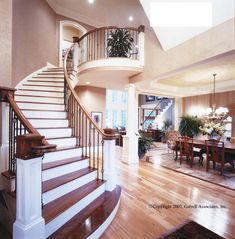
(29, 221)
(110, 174)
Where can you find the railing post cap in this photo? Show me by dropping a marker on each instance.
(25, 146)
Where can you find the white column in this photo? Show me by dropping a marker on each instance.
(130, 141)
(109, 164)
(4, 140)
(29, 222)
(178, 111)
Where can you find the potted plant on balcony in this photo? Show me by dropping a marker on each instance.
(119, 43)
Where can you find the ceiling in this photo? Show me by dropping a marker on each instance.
(192, 80)
(169, 37)
(102, 12)
(197, 78)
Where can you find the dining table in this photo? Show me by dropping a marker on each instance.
(201, 144)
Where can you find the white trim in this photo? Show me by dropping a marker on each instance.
(67, 23)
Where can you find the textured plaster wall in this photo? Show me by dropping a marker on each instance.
(5, 42)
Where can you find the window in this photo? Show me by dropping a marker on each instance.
(116, 108)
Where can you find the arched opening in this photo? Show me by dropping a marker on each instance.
(68, 30)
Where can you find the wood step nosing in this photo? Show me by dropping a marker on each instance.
(40, 96)
(73, 198)
(54, 91)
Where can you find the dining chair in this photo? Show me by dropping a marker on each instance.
(187, 150)
(215, 153)
(171, 137)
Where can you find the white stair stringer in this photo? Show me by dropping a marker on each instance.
(61, 219)
(68, 187)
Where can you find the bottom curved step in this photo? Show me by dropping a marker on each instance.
(93, 220)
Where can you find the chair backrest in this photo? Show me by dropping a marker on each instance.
(215, 150)
(232, 140)
(172, 135)
(186, 146)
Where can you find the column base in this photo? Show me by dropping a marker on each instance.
(111, 181)
(36, 229)
(130, 149)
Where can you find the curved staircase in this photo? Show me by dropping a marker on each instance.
(74, 199)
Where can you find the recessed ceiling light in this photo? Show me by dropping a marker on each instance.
(130, 18)
(90, 1)
(88, 82)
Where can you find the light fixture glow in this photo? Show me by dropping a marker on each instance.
(130, 18)
(213, 114)
(90, 1)
(88, 82)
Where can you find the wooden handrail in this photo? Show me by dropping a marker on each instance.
(139, 29)
(20, 115)
(106, 136)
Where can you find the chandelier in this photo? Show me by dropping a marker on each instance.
(217, 115)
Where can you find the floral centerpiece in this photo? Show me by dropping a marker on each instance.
(212, 129)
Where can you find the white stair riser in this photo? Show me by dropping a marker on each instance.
(39, 93)
(27, 87)
(64, 169)
(60, 220)
(63, 142)
(54, 133)
(40, 106)
(45, 114)
(68, 187)
(43, 123)
(44, 83)
(39, 99)
(59, 155)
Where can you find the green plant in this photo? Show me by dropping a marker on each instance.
(166, 125)
(119, 43)
(144, 143)
(189, 125)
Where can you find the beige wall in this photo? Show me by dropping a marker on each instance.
(218, 40)
(35, 37)
(5, 42)
(93, 99)
(201, 102)
(70, 32)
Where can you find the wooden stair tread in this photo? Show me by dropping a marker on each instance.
(59, 205)
(63, 179)
(96, 213)
(58, 163)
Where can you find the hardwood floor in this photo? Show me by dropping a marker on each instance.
(147, 184)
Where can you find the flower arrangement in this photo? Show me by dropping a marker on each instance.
(212, 129)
